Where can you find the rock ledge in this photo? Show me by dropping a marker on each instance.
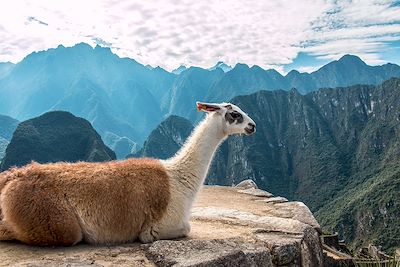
(231, 226)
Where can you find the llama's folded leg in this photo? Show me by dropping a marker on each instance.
(176, 231)
(6, 234)
(149, 235)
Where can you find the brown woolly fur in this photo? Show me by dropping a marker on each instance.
(100, 203)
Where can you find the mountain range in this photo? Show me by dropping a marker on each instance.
(112, 93)
(125, 100)
(220, 65)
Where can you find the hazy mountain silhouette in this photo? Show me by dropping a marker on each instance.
(124, 98)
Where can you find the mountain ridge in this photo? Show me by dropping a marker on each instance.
(124, 98)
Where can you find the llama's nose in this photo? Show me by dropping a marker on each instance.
(252, 125)
(251, 128)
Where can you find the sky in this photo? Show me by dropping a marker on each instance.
(280, 34)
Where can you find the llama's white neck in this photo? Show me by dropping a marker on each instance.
(193, 160)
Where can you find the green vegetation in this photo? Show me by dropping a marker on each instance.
(337, 150)
(368, 212)
(377, 263)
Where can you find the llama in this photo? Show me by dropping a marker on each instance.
(61, 204)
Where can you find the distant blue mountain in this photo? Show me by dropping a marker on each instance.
(7, 128)
(191, 85)
(348, 70)
(125, 100)
(117, 95)
(222, 66)
(244, 80)
(179, 70)
(5, 68)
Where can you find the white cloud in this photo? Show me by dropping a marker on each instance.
(361, 27)
(170, 33)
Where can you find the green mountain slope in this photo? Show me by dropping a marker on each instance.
(338, 150)
(55, 136)
(164, 141)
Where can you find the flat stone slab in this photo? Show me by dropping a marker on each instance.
(13, 254)
(246, 184)
(275, 200)
(224, 252)
(255, 192)
(229, 228)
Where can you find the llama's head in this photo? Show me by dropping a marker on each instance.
(233, 119)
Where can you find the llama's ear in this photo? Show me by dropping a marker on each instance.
(207, 107)
(228, 106)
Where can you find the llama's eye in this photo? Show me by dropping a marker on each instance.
(236, 115)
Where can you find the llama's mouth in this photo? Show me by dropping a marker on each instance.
(249, 131)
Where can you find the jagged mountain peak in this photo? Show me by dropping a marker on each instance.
(293, 73)
(179, 70)
(221, 65)
(240, 66)
(274, 72)
(257, 68)
(348, 61)
(351, 59)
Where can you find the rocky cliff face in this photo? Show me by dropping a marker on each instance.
(335, 149)
(230, 227)
(55, 136)
(122, 146)
(3, 145)
(167, 138)
(7, 128)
